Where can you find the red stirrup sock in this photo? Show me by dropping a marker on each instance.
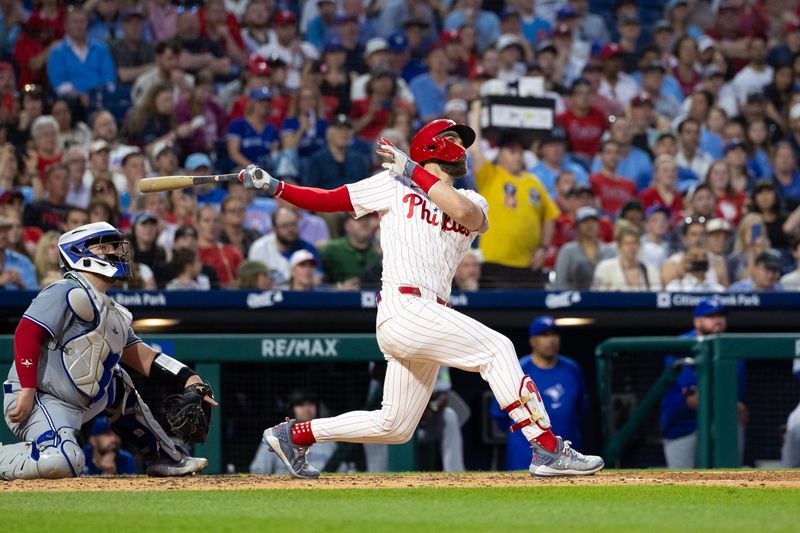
(547, 441)
(302, 435)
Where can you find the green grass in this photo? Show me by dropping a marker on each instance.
(442, 510)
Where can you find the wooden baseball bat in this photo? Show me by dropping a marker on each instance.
(171, 183)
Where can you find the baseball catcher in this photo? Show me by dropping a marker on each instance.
(68, 348)
(427, 227)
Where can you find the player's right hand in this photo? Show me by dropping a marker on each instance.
(397, 161)
(254, 177)
(24, 407)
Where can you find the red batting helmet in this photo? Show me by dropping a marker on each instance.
(427, 144)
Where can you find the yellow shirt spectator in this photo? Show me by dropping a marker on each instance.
(517, 208)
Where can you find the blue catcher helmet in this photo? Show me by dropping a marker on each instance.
(74, 251)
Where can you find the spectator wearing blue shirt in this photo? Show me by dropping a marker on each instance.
(561, 386)
(401, 61)
(323, 25)
(16, 270)
(785, 176)
(634, 163)
(303, 130)
(679, 404)
(339, 161)
(534, 28)
(430, 89)
(80, 64)
(199, 164)
(765, 275)
(251, 140)
(487, 24)
(104, 456)
(553, 161)
(105, 22)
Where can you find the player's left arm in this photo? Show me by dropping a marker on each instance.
(457, 206)
(150, 363)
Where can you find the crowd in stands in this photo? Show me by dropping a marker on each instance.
(672, 165)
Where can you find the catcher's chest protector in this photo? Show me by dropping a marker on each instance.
(90, 357)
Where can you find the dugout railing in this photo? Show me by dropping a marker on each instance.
(208, 353)
(715, 360)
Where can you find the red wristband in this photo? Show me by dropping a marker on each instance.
(423, 178)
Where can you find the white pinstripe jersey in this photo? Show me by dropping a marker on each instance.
(421, 245)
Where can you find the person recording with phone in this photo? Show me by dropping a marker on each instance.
(695, 267)
(682, 270)
(750, 241)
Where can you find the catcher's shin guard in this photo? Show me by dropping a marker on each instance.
(130, 417)
(528, 409)
(54, 455)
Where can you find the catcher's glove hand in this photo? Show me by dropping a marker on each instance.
(189, 414)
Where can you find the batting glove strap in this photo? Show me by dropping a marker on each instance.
(254, 177)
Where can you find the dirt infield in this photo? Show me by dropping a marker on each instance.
(740, 478)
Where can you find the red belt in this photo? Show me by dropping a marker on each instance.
(415, 291)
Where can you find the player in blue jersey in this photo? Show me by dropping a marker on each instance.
(679, 404)
(561, 384)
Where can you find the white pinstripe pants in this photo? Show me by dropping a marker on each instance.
(416, 335)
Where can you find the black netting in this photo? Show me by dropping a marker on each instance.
(772, 393)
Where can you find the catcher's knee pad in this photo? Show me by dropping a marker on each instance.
(531, 408)
(62, 457)
(53, 455)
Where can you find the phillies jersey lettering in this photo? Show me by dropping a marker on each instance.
(422, 246)
(432, 217)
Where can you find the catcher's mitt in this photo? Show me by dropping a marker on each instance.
(188, 414)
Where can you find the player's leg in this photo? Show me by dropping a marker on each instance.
(50, 446)
(130, 417)
(452, 442)
(424, 330)
(790, 452)
(406, 391)
(680, 453)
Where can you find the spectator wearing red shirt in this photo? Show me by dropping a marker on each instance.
(44, 132)
(371, 114)
(732, 29)
(662, 190)
(579, 196)
(256, 76)
(730, 202)
(223, 28)
(44, 28)
(266, 73)
(223, 258)
(584, 124)
(612, 190)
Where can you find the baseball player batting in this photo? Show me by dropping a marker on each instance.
(67, 350)
(427, 227)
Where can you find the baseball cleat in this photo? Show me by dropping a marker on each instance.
(279, 441)
(187, 466)
(563, 462)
